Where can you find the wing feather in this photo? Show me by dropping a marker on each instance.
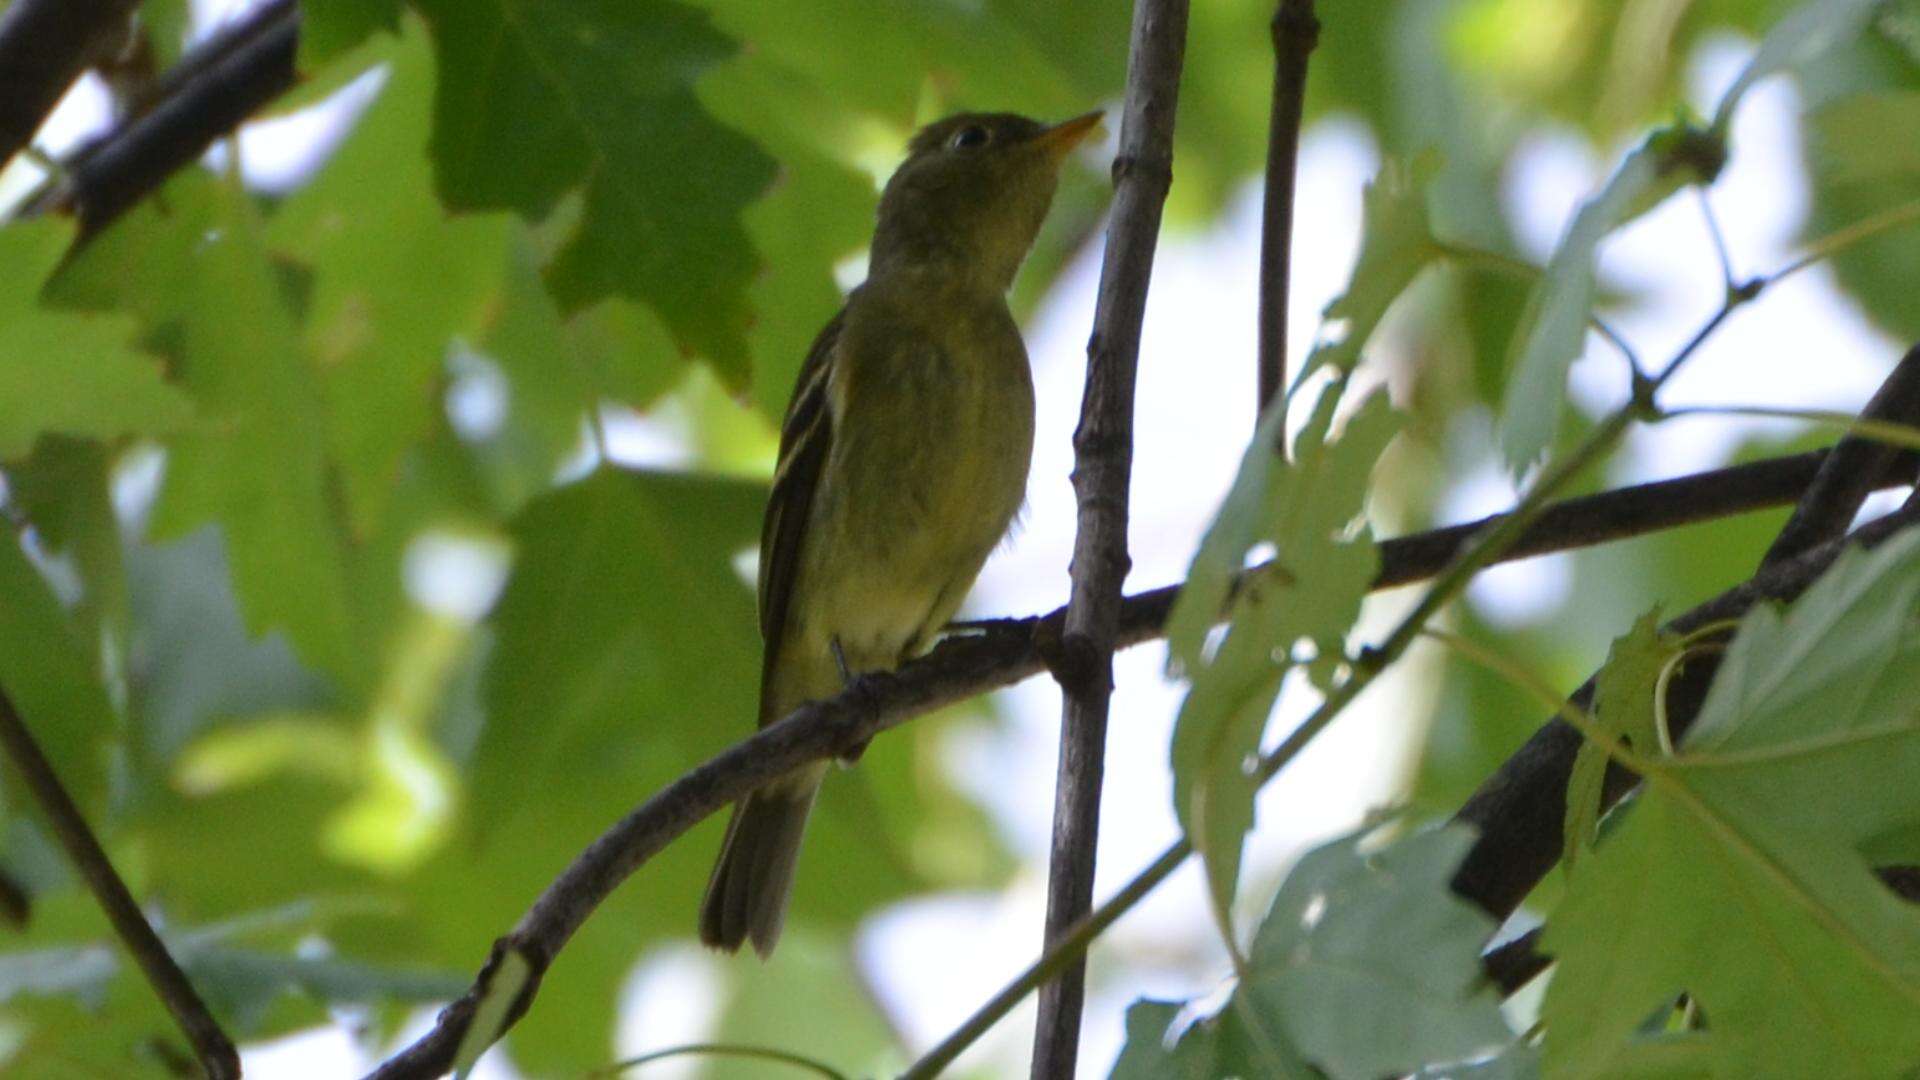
(806, 436)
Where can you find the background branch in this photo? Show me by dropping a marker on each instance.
(1519, 811)
(1295, 32)
(200, 99)
(1103, 463)
(1005, 652)
(44, 46)
(215, 1051)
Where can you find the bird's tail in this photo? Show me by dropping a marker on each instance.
(747, 895)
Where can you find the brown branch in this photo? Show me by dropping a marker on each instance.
(200, 99)
(215, 1050)
(1520, 810)
(1103, 461)
(1295, 32)
(44, 46)
(1005, 652)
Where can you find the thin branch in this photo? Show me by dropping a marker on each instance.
(1008, 651)
(1520, 810)
(201, 99)
(1103, 462)
(210, 1044)
(1295, 33)
(44, 46)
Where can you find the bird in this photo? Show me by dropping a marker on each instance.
(903, 462)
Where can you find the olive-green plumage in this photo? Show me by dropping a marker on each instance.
(903, 458)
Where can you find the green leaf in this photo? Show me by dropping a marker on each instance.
(1554, 324)
(1623, 707)
(1370, 965)
(623, 609)
(1396, 243)
(1851, 143)
(52, 676)
(1215, 1046)
(1305, 508)
(258, 466)
(69, 372)
(1737, 876)
(536, 101)
(330, 29)
(368, 227)
(1807, 31)
(63, 487)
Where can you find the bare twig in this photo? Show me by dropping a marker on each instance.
(202, 98)
(1295, 33)
(1520, 810)
(1005, 652)
(1103, 461)
(210, 1044)
(44, 46)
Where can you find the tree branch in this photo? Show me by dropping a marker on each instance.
(1520, 810)
(44, 46)
(215, 1051)
(200, 99)
(1008, 651)
(1103, 461)
(1295, 32)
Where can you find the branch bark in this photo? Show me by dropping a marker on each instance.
(1005, 652)
(1295, 33)
(1520, 810)
(210, 1044)
(44, 46)
(1103, 462)
(200, 99)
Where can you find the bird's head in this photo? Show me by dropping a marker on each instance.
(972, 193)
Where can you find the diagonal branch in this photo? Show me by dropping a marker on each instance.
(44, 46)
(200, 99)
(1295, 32)
(210, 1044)
(1007, 652)
(1520, 810)
(1103, 460)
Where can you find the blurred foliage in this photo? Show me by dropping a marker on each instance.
(331, 609)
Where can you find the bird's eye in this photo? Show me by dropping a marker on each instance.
(968, 138)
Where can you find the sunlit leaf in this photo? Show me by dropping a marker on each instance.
(1305, 508)
(1396, 243)
(1554, 324)
(68, 372)
(1623, 708)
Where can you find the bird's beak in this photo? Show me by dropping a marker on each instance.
(1061, 138)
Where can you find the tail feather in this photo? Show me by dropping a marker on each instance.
(747, 895)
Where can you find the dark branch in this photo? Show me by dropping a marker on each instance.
(1103, 461)
(1295, 32)
(202, 98)
(1520, 810)
(214, 1049)
(44, 46)
(1007, 651)
(1848, 476)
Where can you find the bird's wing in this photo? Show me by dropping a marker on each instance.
(805, 437)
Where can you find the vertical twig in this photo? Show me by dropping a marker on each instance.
(44, 46)
(1295, 32)
(1103, 460)
(211, 1044)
